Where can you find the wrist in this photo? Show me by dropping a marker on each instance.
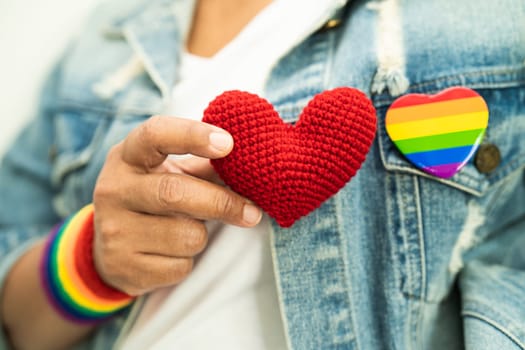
(69, 276)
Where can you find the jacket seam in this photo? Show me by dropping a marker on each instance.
(345, 259)
(494, 324)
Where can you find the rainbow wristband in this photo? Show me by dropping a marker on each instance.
(69, 277)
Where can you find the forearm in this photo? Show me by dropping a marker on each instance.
(30, 321)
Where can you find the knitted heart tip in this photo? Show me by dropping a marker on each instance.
(285, 223)
(289, 171)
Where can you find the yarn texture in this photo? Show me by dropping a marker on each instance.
(290, 170)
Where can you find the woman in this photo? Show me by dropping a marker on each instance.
(375, 266)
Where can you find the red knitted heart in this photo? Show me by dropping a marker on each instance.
(291, 170)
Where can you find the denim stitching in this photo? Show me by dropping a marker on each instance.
(496, 325)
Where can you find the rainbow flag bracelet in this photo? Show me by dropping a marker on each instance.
(69, 277)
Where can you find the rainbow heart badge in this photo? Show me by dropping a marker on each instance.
(438, 133)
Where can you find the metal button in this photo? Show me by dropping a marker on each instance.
(487, 158)
(331, 24)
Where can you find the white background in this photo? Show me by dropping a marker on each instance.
(33, 34)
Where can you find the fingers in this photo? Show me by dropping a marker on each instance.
(148, 145)
(159, 271)
(192, 165)
(170, 194)
(137, 253)
(148, 209)
(142, 273)
(199, 167)
(165, 235)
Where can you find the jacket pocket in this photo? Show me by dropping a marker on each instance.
(493, 306)
(436, 221)
(484, 333)
(505, 130)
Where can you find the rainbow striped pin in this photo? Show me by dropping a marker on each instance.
(438, 133)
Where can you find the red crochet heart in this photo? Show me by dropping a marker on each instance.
(291, 170)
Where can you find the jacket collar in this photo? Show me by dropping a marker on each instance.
(156, 31)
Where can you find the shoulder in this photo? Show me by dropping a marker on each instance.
(97, 52)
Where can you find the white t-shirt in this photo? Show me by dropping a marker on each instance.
(229, 301)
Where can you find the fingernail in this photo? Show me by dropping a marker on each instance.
(222, 142)
(251, 214)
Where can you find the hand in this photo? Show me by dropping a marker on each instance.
(149, 210)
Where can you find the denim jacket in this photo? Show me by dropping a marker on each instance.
(397, 259)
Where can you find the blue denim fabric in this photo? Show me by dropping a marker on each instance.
(397, 259)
